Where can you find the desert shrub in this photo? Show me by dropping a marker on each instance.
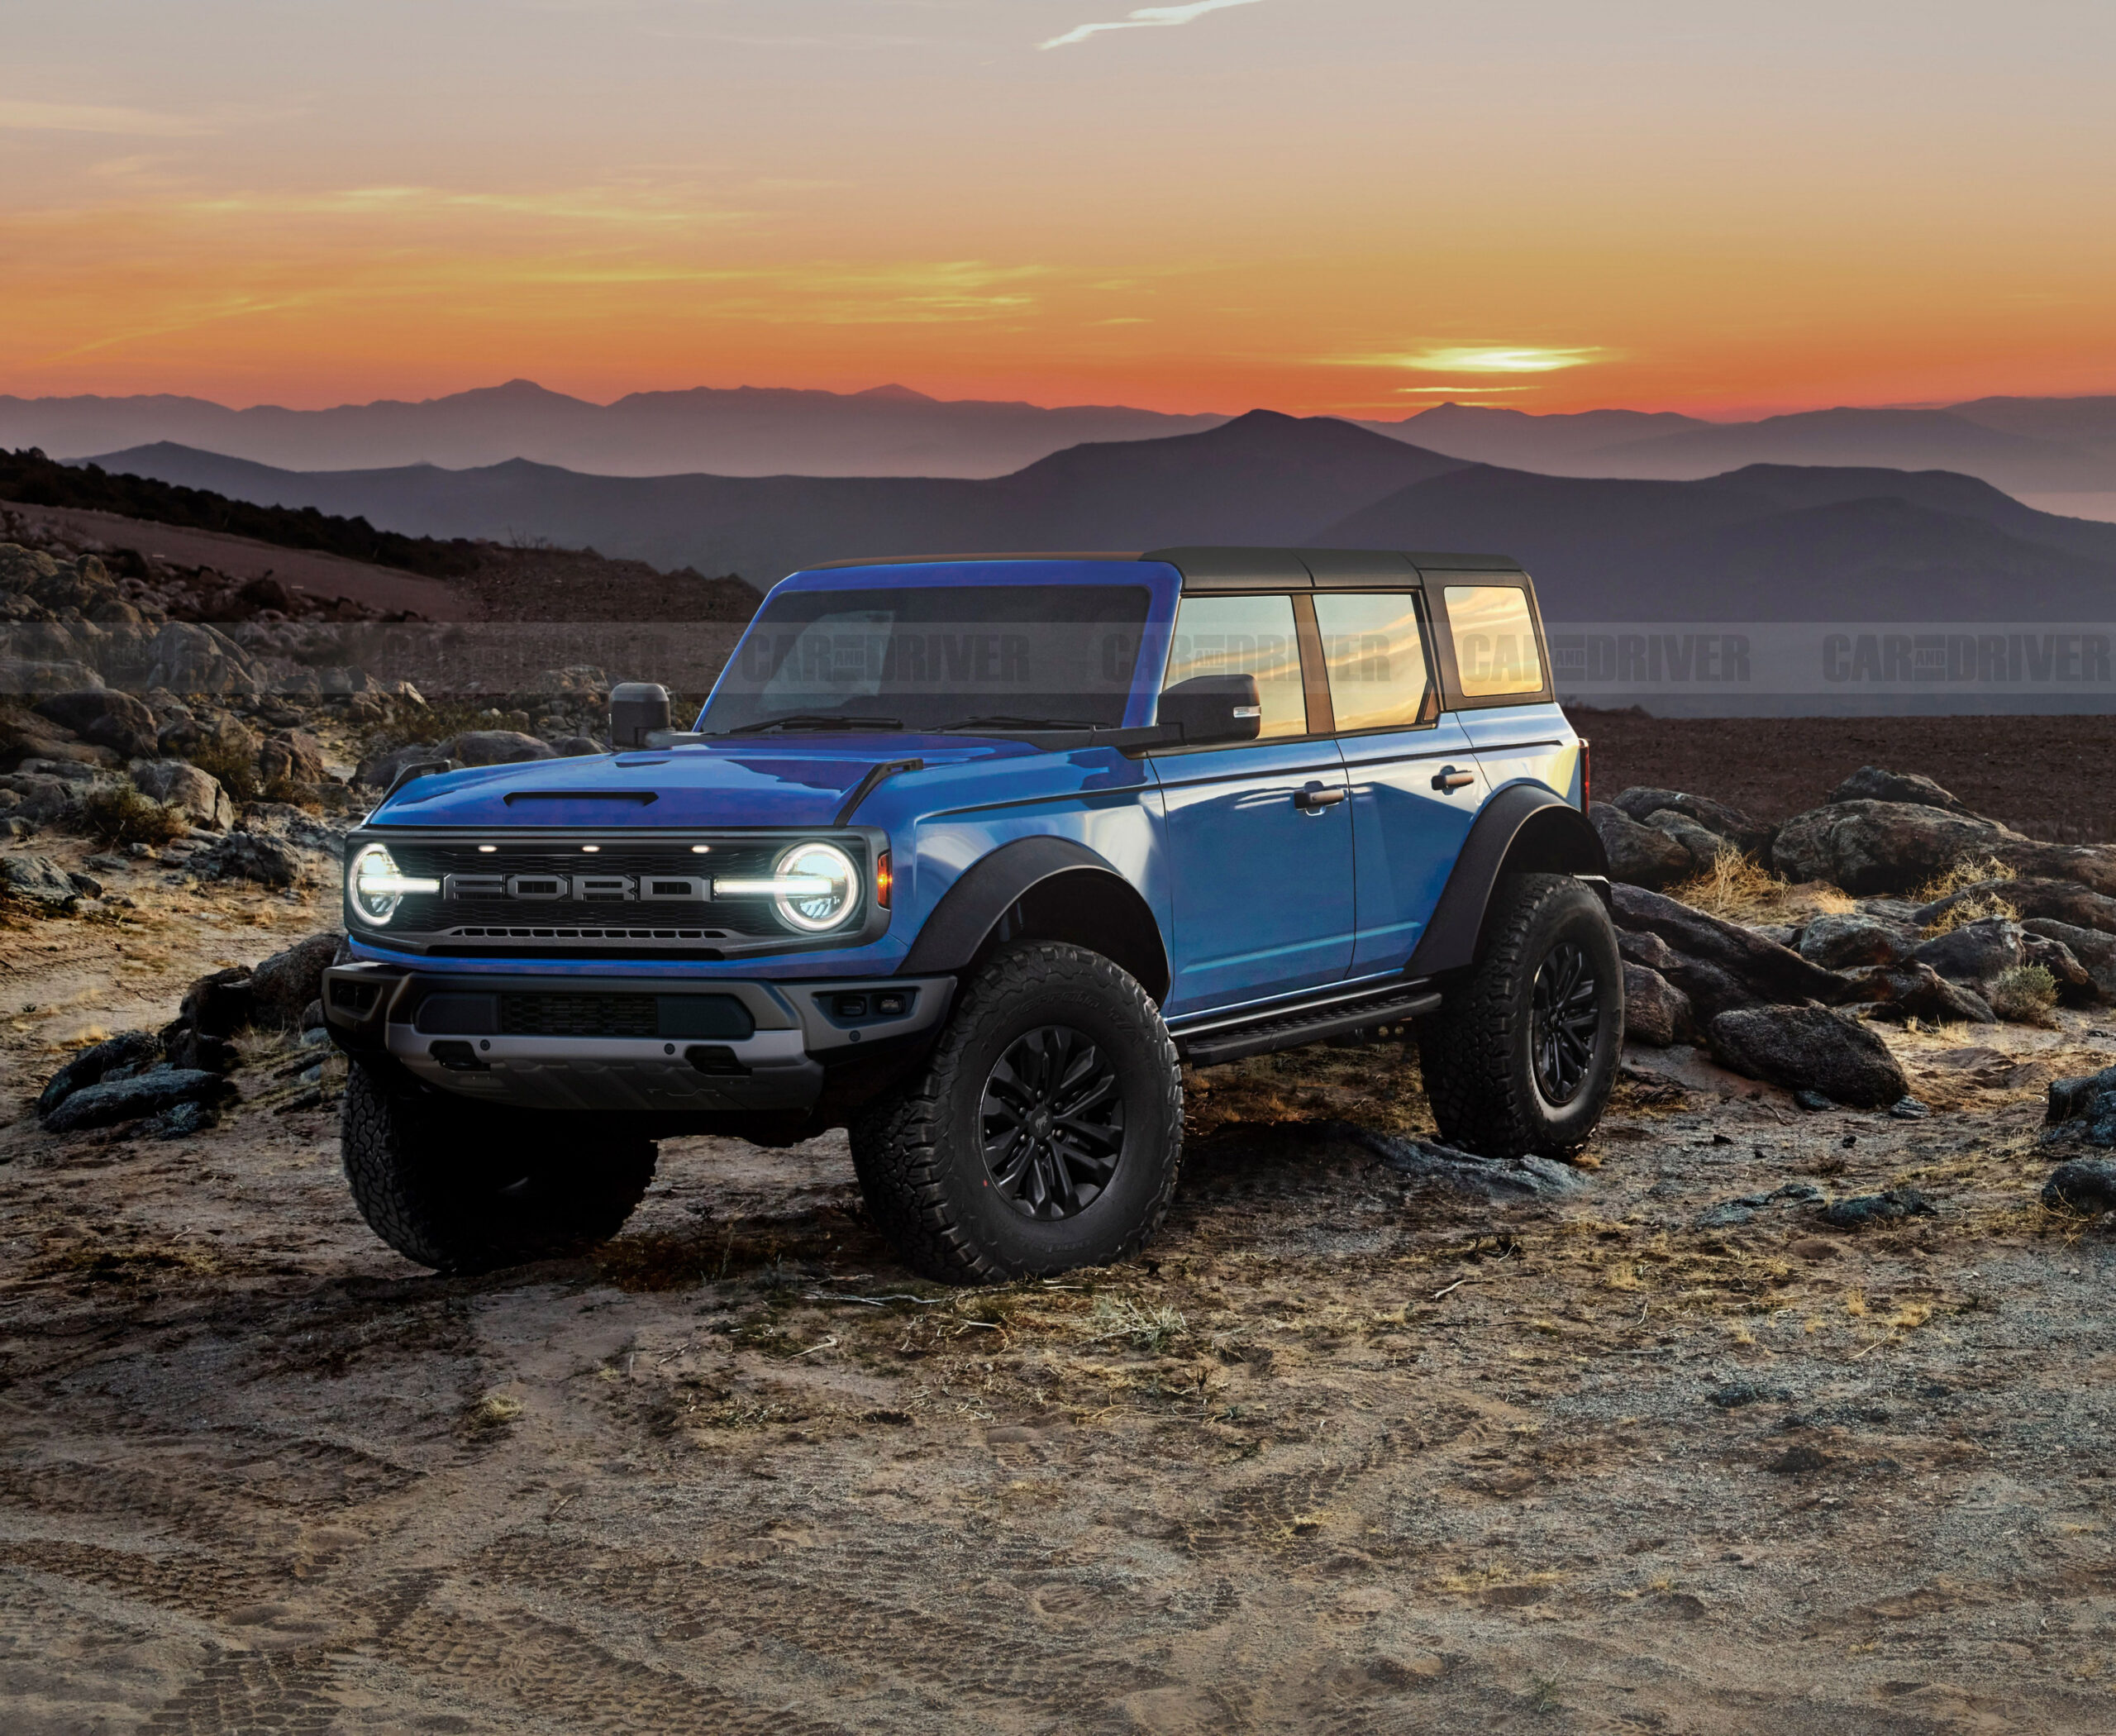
(236, 772)
(116, 814)
(1150, 1330)
(2025, 994)
(295, 794)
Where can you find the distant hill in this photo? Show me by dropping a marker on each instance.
(33, 480)
(1761, 542)
(1262, 478)
(748, 431)
(2033, 446)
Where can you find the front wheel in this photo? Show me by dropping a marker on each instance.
(1523, 1052)
(1045, 1133)
(465, 1187)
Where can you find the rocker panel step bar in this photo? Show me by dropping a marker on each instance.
(1290, 1027)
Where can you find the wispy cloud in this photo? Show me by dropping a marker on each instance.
(17, 117)
(1146, 18)
(1489, 359)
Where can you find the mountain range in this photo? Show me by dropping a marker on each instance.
(748, 431)
(2058, 453)
(1759, 542)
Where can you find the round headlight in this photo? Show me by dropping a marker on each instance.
(829, 890)
(374, 888)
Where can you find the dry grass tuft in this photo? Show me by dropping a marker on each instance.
(1735, 887)
(1976, 908)
(491, 1414)
(2026, 994)
(1968, 871)
(1149, 1329)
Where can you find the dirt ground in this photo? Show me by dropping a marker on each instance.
(2046, 776)
(1340, 1454)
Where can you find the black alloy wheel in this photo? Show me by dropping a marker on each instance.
(1052, 1122)
(1566, 1014)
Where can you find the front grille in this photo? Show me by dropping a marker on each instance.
(624, 1015)
(626, 890)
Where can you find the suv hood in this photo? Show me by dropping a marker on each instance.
(800, 781)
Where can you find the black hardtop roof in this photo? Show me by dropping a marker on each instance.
(1213, 567)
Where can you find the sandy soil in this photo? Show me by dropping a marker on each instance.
(1339, 1454)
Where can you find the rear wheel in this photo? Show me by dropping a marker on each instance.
(1523, 1053)
(466, 1187)
(1045, 1134)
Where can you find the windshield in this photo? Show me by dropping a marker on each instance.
(930, 658)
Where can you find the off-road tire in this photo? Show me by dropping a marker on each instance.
(465, 1187)
(1476, 1051)
(919, 1151)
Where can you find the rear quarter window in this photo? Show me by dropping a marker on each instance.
(1495, 634)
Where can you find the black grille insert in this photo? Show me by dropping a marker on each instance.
(624, 1015)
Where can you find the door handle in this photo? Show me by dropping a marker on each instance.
(1452, 778)
(1316, 798)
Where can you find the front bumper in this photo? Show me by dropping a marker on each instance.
(660, 1045)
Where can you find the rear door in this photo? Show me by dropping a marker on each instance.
(1259, 836)
(1415, 783)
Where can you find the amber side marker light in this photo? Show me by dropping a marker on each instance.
(884, 880)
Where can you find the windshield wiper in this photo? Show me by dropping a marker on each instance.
(812, 720)
(1002, 721)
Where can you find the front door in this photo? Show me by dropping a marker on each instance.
(1259, 836)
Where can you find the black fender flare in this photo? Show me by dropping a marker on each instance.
(973, 907)
(1526, 828)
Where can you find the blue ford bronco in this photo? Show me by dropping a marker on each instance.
(968, 856)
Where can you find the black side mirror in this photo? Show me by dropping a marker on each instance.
(636, 707)
(1214, 708)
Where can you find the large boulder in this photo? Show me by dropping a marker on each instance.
(1809, 1049)
(128, 1052)
(1704, 848)
(1656, 1012)
(498, 747)
(37, 879)
(381, 769)
(43, 796)
(2087, 1187)
(2083, 1107)
(1774, 972)
(111, 1101)
(194, 794)
(1869, 846)
(106, 717)
(2059, 901)
(247, 856)
(1975, 952)
(295, 757)
(1707, 987)
(1752, 837)
(1638, 855)
(2076, 986)
(281, 987)
(36, 677)
(1871, 783)
(1919, 991)
(2095, 952)
(189, 657)
(1843, 942)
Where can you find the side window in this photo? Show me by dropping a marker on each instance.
(1244, 636)
(1495, 640)
(1374, 647)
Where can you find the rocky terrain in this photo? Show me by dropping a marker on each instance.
(1785, 1407)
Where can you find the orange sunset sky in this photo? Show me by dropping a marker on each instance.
(1358, 206)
